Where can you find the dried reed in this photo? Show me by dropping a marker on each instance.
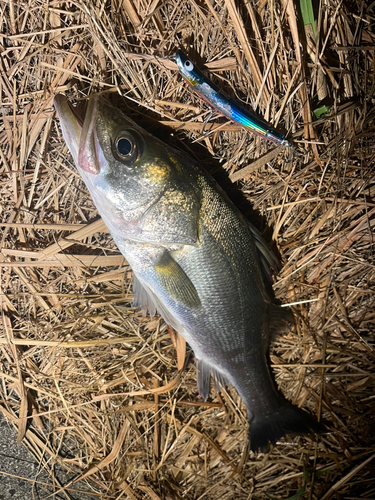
(86, 380)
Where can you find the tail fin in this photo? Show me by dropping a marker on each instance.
(286, 420)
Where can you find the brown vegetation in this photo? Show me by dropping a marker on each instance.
(87, 381)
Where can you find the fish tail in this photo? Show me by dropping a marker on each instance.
(287, 419)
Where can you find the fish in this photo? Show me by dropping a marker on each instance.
(220, 101)
(196, 259)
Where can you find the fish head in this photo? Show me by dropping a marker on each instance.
(132, 177)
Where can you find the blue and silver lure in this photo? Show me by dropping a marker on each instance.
(227, 106)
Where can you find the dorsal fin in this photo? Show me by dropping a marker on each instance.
(269, 263)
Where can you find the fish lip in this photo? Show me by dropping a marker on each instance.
(63, 105)
(88, 142)
(79, 133)
(71, 125)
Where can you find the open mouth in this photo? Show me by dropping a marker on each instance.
(79, 133)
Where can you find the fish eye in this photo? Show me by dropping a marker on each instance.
(189, 66)
(124, 146)
(128, 146)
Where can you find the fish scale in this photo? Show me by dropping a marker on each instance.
(196, 259)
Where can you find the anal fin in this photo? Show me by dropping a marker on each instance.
(203, 378)
(219, 381)
(204, 372)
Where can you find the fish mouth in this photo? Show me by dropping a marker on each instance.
(79, 133)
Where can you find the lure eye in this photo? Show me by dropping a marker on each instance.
(189, 66)
(128, 146)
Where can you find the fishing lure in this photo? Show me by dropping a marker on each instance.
(227, 106)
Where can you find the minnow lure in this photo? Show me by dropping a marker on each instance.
(227, 106)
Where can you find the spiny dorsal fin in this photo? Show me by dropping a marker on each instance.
(269, 262)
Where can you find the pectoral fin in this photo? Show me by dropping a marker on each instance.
(175, 282)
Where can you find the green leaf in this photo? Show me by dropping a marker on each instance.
(308, 15)
(322, 110)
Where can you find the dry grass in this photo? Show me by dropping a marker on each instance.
(86, 380)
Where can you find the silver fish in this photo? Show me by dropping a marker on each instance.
(195, 258)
